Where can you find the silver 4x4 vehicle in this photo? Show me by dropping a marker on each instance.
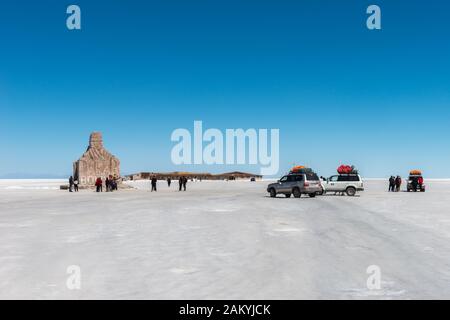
(343, 183)
(296, 184)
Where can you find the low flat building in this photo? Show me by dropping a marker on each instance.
(236, 175)
(164, 175)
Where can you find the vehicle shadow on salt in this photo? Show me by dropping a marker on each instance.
(340, 195)
(304, 197)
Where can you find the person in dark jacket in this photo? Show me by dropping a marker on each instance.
(70, 183)
(185, 179)
(113, 183)
(75, 185)
(107, 184)
(180, 183)
(392, 184)
(154, 180)
(169, 181)
(99, 184)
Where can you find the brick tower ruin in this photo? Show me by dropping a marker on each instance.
(95, 162)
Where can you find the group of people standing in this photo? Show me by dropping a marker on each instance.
(182, 181)
(110, 184)
(395, 183)
(73, 184)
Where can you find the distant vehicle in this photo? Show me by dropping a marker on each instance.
(414, 179)
(343, 183)
(297, 184)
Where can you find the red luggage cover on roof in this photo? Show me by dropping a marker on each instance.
(345, 169)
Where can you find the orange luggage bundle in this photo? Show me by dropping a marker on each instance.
(415, 173)
(300, 169)
(297, 168)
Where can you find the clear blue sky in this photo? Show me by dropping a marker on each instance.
(137, 70)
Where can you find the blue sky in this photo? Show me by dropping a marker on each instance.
(338, 92)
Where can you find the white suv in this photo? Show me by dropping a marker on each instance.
(348, 183)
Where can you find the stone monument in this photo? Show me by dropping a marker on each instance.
(95, 162)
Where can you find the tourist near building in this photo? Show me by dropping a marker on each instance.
(95, 162)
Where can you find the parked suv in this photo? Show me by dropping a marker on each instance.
(296, 184)
(348, 183)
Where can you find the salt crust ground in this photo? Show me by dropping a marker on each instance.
(222, 240)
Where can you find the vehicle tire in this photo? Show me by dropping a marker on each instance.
(312, 195)
(287, 195)
(350, 191)
(320, 193)
(297, 193)
(273, 193)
